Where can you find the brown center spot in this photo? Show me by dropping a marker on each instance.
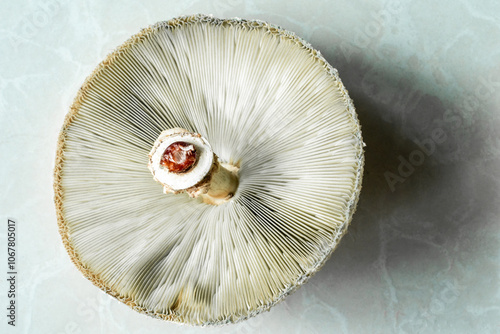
(179, 157)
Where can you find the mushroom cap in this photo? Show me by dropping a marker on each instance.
(267, 102)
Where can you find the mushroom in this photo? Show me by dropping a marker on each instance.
(207, 168)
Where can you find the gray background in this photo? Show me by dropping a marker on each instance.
(422, 253)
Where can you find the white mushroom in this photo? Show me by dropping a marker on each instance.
(262, 165)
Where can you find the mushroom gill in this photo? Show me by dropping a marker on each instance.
(276, 116)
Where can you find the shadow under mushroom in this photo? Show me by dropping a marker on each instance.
(426, 215)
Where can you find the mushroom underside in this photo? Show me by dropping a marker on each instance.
(270, 106)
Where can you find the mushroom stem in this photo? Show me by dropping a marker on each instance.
(184, 162)
(223, 184)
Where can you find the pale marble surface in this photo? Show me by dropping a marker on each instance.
(422, 257)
